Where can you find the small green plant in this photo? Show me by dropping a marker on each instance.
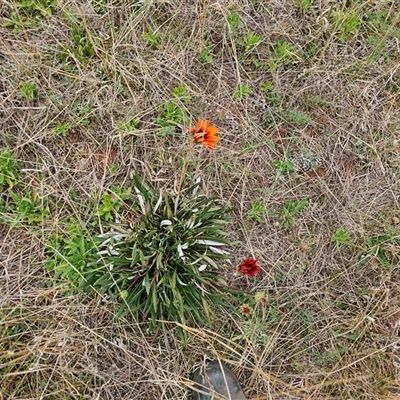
(164, 266)
(206, 55)
(152, 38)
(28, 14)
(102, 6)
(283, 54)
(29, 90)
(62, 128)
(9, 169)
(315, 100)
(180, 93)
(111, 203)
(327, 357)
(303, 5)
(234, 21)
(82, 113)
(275, 100)
(267, 87)
(84, 47)
(297, 117)
(129, 125)
(341, 237)
(69, 253)
(172, 115)
(241, 92)
(290, 209)
(249, 42)
(82, 51)
(257, 211)
(284, 166)
(346, 24)
(382, 249)
(24, 209)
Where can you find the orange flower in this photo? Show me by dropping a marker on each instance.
(205, 133)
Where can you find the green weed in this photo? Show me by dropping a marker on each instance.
(103, 6)
(257, 211)
(267, 87)
(234, 22)
(306, 160)
(172, 116)
(28, 14)
(382, 249)
(111, 204)
(303, 5)
(274, 99)
(9, 169)
(29, 90)
(284, 166)
(345, 24)
(241, 92)
(249, 42)
(180, 92)
(206, 56)
(24, 208)
(341, 237)
(152, 38)
(82, 113)
(62, 128)
(82, 51)
(69, 253)
(290, 209)
(260, 317)
(128, 126)
(283, 55)
(297, 117)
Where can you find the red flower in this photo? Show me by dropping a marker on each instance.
(245, 309)
(249, 267)
(205, 133)
(261, 298)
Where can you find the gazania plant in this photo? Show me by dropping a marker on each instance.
(205, 133)
(166, 264)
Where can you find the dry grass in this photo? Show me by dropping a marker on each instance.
(331, 329)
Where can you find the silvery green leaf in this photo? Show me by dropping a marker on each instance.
(195, 261)
(218, 251)
(200, 287)
(176, 203)
(209, 242)
(113, 252)
(159, 201)
(189, 224)
(166, 222)
(120, 236)
(105, 242)
(197, 181)
(141, 200)
(180, 252)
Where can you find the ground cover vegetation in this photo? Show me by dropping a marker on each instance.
(191, 179)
